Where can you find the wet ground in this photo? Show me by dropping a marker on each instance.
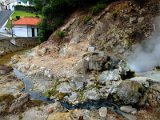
(5, 59)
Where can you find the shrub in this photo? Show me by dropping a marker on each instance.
(17, 17)
(97, 9)
(25, 8)
(61, 34)
(87, 18)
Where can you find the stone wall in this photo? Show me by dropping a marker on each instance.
(15, 44)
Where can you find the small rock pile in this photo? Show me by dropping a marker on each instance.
(100, 75)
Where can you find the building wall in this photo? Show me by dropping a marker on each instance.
(20, 31)
(12, 45)
(25, 31)
(30, 31)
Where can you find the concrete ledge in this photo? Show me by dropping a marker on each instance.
(14, 44)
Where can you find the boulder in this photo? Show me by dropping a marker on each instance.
(103, 112)
(19, 102)
(64, 88)
(4, 69)
(78, 82)
(73, 97)
(92, 94)
(128, 109)
(129, 92)
(92, 61)
(109, 76)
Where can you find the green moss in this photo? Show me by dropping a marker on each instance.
(6, 97)
(61, 34)
(87, 18)
(97, 8)
(61, 96)
(53, 90)
(50, 92)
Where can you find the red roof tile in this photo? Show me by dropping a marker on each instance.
(27, 21)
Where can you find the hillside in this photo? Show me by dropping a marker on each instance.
(113, 32)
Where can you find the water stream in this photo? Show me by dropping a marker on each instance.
(28, 88)
(86, 105)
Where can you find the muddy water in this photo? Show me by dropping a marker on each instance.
(29, 86)
(5, 59)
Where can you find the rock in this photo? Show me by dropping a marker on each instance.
(4, 69)
(42, 52)
(109, 75)
(156, 87)
(48, 73)
(64, 88)
(49, 110)
(78, 83)
(91, 49)
(72, 97)
(56, 107)
(76, 38)
(133, 19)
(19, 102)
(141, 80)
(33, 66)
(15, 59)
(92, 94)
(129, 92)
(60, 116)
(1, 53)
(3, 106)
(128, 109)
(124, 70)
(141, 19)
(93, 61)
(103, 112)
(63, 51)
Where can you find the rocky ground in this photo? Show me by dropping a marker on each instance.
(86, 72)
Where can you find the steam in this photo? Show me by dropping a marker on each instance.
(147, 55)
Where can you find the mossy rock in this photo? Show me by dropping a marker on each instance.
(6, 97)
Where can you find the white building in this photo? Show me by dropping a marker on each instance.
(11, 3)
(1, 4)
(26, 27)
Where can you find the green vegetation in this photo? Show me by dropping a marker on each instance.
(97, 8)
(55, 12)
(87, 18)
(61, 34)
(22, 14)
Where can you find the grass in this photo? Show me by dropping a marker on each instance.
(21, 14)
